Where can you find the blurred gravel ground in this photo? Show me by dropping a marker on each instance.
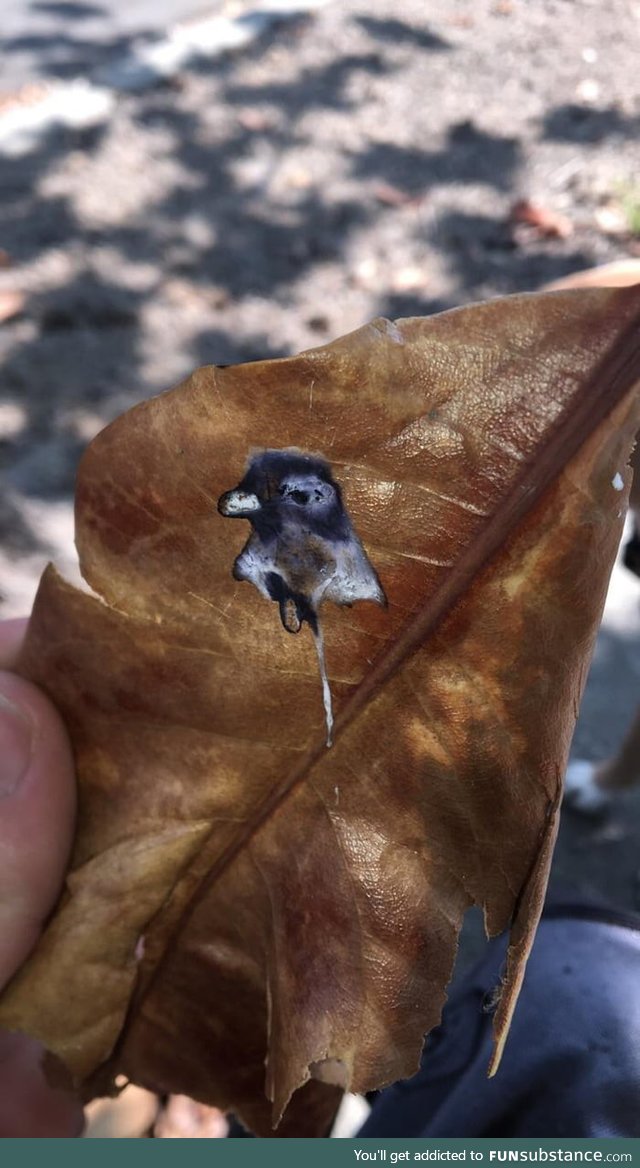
(357, 162)
(63, 38)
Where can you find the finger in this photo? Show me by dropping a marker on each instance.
(11, 637)
(29, 1107)
(37, 808)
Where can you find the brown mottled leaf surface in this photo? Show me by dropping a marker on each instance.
(239, 895)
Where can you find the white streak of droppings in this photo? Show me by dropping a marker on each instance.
(617, 482)
(326, 689)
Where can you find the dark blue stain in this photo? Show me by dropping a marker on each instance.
(272, 476)
(303, 548)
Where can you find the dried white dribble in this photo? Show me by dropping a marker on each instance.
(617, 482)
(326, 688)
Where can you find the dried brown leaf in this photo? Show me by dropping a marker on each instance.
(238, 892)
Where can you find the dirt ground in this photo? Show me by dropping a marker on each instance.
(359, 161)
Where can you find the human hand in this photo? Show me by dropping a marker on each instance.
(37, 810)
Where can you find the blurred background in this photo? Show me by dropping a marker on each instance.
(185, 184)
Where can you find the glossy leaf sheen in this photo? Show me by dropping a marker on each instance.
(239, 894)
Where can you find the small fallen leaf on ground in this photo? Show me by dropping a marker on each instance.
(252, 919)
(544, 222)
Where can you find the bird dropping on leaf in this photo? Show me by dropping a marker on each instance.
(303, 548)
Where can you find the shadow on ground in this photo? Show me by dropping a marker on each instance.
(82, 344)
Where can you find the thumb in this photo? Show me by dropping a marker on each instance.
(37, 806)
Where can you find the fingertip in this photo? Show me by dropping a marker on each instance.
(37, 810)
(29, 1106)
